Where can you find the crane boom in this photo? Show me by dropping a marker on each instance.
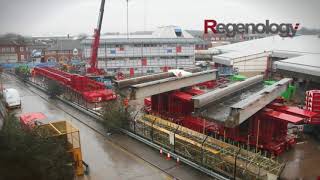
(93, 69)
(99, 24)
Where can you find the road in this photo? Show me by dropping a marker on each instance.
(303, 160)
(109, 157)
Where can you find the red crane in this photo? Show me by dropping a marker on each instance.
(93, 69)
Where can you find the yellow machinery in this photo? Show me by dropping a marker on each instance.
(64, 130)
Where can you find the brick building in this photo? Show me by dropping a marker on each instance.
(13, 51)
(63, 50)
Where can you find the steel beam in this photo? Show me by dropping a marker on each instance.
(209, 97)
(128, 82)
(169, 84)
(244, 109)
(153, 77)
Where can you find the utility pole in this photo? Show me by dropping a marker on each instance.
(127, 19)
(145, 15)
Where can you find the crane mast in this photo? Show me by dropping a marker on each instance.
(93, 69)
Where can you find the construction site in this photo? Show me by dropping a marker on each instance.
(181, 109)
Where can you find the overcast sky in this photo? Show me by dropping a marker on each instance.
(60, 17)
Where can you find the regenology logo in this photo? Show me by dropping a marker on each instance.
(232, 29)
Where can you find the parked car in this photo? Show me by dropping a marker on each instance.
(12, 98)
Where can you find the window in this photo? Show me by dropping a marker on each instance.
(178, 32)
(12, 49)
(137, 45)
(110, 46)
(21, 49)
(150, 71)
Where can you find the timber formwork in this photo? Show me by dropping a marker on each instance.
(214, 154)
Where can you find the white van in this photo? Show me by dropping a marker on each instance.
(12, 98)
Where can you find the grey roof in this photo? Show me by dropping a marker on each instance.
(13, 40)
(143, 40)
(230, 58)
(302, 53)
(278, 46)
(66, 44)
(307, 64)
(297, 44)
(164, 34)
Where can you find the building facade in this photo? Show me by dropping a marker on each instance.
(11, 52)
(63, 50)
(166, 48)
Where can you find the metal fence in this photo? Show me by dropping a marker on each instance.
(216, 155)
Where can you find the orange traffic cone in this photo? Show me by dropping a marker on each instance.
(168, 156)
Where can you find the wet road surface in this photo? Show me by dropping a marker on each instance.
(303, 161)
(114, 157)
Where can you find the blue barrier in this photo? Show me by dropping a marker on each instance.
(8, 66)
(30, 65)
(226, 71)
(47, 64)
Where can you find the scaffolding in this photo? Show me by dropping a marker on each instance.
(69, 134)
(139, 56)
(214, 154)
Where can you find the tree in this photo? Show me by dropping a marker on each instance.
(26, 155)
(116, 115)
(54, 88)
(23, 72)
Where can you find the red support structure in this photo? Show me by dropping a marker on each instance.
(193, 91)
(266, 130)
(209, 84)
(313, 104)
(92, 91)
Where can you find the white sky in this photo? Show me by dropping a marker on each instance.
(60, 17)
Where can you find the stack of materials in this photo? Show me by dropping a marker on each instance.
(313, 104)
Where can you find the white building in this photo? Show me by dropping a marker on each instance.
(166, 48)
(299, 54)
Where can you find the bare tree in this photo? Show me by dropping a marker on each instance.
(54, 88)
(116, 115)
